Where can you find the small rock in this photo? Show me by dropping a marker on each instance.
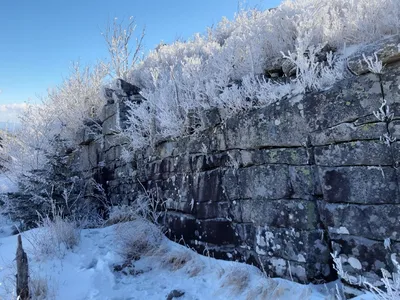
(387, 50)
(288, 68)
(175, 294)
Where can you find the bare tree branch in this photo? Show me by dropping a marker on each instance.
(124, 56)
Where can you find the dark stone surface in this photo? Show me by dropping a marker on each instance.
(370, 255)
(292, 244)
(128, 88)
(376, 222)
(298, 272)
(266, 181)
(347, 132)
(269, 126)
(296, 213)
(361, 153)
(363, 185)
(304, 182)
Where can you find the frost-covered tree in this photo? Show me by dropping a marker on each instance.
(39, 149)
(124, 56)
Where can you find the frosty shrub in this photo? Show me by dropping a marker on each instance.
(54, 237)
(56, 120)
(146, 206)
(118, 37)
(40, 289)
(137, 238)
(225, 67)
(121, 214)
(41, 149)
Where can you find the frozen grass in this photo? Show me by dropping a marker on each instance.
(137, 238)
(237, 278)
(54, 238)
(40, 289)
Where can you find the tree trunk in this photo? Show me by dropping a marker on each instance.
(22, 272)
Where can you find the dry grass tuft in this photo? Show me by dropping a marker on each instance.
(176, 260)
(137, 238)
(53, 238)
(194, 268)
(237, 278)
(264, 290)
(39, 289)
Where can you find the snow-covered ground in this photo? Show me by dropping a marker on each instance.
(94, 270)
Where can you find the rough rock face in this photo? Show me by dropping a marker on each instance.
(283, 185)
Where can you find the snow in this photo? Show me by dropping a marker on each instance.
(7, 185)
(87, 272)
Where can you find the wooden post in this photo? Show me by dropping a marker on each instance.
(22, 272)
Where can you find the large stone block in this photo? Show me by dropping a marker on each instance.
(111, 125)
(304, 182)
(86, 135)
(269, 126)
(346, 102)
(299, 214)
(266, 182)
(296, 271)
(207, 210)
(394, 129)
(166, 149)
(364, 185)
(178, 187)
(386, 49)
(180, 226)
(217, 232)
(206, 162)
(289, 156)
(395, 147)
(362, 153)
(376, 222)
(292, 244)
(210, 118)
(113, 140)
(180, 205)
(207, 187)
(364, 257)
(109, 110)
(246, 233)
(208, 141)
(347, 132)
(167, 167)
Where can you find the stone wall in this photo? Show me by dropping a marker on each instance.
(283, 185)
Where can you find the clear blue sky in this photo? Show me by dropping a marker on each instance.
(40, 38)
